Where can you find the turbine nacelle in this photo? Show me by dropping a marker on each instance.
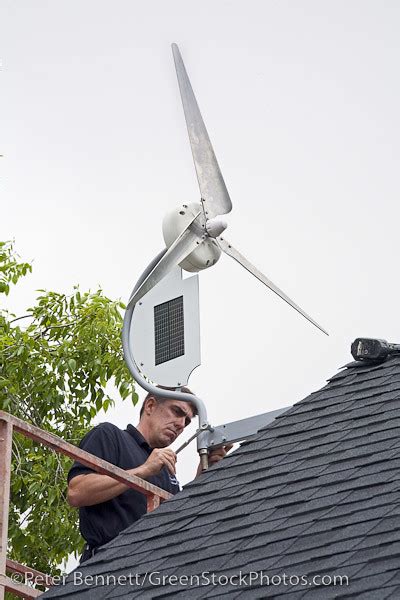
(207, 251)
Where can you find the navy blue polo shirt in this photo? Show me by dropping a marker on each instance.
(127, 449)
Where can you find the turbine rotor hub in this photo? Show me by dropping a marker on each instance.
(216, 226)
(175, 221)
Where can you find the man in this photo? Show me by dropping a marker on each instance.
(106, 506)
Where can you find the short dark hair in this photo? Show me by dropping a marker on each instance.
(161, 398)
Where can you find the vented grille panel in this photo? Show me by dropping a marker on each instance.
(169, 330)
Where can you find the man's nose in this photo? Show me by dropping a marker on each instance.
(180, 423)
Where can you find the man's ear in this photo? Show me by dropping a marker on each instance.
(150, 405)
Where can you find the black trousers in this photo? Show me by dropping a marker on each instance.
(88, 552)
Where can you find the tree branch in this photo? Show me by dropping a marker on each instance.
(19, 318)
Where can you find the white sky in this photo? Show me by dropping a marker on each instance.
(301, 101)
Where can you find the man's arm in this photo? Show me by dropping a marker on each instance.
(93, 488)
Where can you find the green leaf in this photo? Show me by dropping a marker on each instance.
(72, 364)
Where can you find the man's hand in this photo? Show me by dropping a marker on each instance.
(159, 458)
(218, 454)
(215, 456)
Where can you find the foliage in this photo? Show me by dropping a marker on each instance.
(10, 269)
(53, 373)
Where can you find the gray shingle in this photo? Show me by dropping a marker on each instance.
(395, 594)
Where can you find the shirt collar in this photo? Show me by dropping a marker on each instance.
(135, 433)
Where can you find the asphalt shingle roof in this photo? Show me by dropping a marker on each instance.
(317, 492)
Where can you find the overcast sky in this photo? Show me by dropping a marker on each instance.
(301, 100)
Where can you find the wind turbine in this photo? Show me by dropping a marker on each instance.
(161, 330)
(193, 232)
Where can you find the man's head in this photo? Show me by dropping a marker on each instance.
(162, 419)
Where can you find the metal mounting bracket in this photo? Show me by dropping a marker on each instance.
(238, 431)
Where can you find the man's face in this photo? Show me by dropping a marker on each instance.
(168, 418)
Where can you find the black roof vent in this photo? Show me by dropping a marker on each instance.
(372, 350)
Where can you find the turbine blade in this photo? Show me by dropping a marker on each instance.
(184, 244)
(231, 251)
(214, 195)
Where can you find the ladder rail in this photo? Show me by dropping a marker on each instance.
(10, 424)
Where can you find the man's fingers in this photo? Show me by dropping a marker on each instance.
(170, 464)
(168, 458)
(159, 458)
(166, 453)
(221, 450)
(170, 453)
(219, 453)
(171, 469)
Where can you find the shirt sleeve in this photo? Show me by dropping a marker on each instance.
(100, 441)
